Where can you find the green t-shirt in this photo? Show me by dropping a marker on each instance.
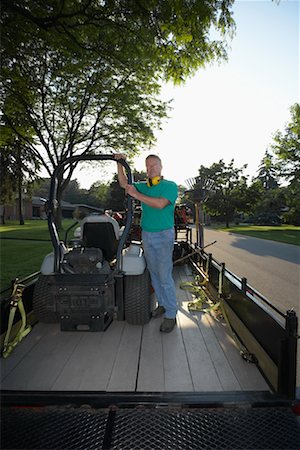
(155, 219)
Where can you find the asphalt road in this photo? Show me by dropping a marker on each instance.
(271, 268)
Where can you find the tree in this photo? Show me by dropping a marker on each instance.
(41, 187)
(172, 38)
(8, 181)
(120, 37)
(78, 113)
(73, 193)
(268, 172)
(229, 190)
(292, 201)
(98, 195)
(269, 205)
(286, 146)
(18, 168)
(116, 199)
(116, 196)
(17, 171)
(269, 199)
(86, 74)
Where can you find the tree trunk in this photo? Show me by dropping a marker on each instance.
(58, 218)
(21, 217)
(2, 215)
(227, 221)
(20, 180)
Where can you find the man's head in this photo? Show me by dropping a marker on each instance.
(153, 166)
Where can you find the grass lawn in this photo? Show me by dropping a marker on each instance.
(284, 233)
(20, 259)
(22, 255)
(32, 229)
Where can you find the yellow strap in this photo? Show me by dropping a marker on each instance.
(196, 288)
(9, 326)
(16, 302)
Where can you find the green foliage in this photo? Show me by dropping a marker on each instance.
(292, 201)
(286, 146)
(79, 107)
(8, 177)
(41, 187)
(268, 172)
(230, 192)
(171, 38)
(116, 196)
(99, 195)
(272, 201)
(182, 195)
(17, 169)
(84, 75)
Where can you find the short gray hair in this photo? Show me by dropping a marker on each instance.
(154, 156)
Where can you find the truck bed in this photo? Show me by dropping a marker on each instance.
(199, 355)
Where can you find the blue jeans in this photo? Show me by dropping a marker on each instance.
(158, 247)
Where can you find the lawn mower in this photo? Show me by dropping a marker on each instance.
(96, 277)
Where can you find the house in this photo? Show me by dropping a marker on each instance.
(34, 208)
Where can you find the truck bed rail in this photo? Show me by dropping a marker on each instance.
(265, 331)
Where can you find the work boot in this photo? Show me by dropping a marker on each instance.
(167, 325)
(158, 311)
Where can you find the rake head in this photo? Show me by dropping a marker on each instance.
(200, 188)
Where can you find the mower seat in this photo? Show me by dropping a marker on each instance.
(101, 231)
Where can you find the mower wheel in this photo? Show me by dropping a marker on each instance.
(137, 301)
(43, 301)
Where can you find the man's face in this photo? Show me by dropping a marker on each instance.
(153, 167)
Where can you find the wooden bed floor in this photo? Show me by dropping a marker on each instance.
(199, 355)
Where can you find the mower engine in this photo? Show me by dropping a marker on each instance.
(85, 260)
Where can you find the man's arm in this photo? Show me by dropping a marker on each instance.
(121, 171)
(154, 202)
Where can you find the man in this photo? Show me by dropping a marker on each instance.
(157, 197)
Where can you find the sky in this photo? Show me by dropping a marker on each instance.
(232, 110)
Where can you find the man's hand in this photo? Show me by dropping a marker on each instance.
(121, 172)
(131, 190)
(119, 156)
